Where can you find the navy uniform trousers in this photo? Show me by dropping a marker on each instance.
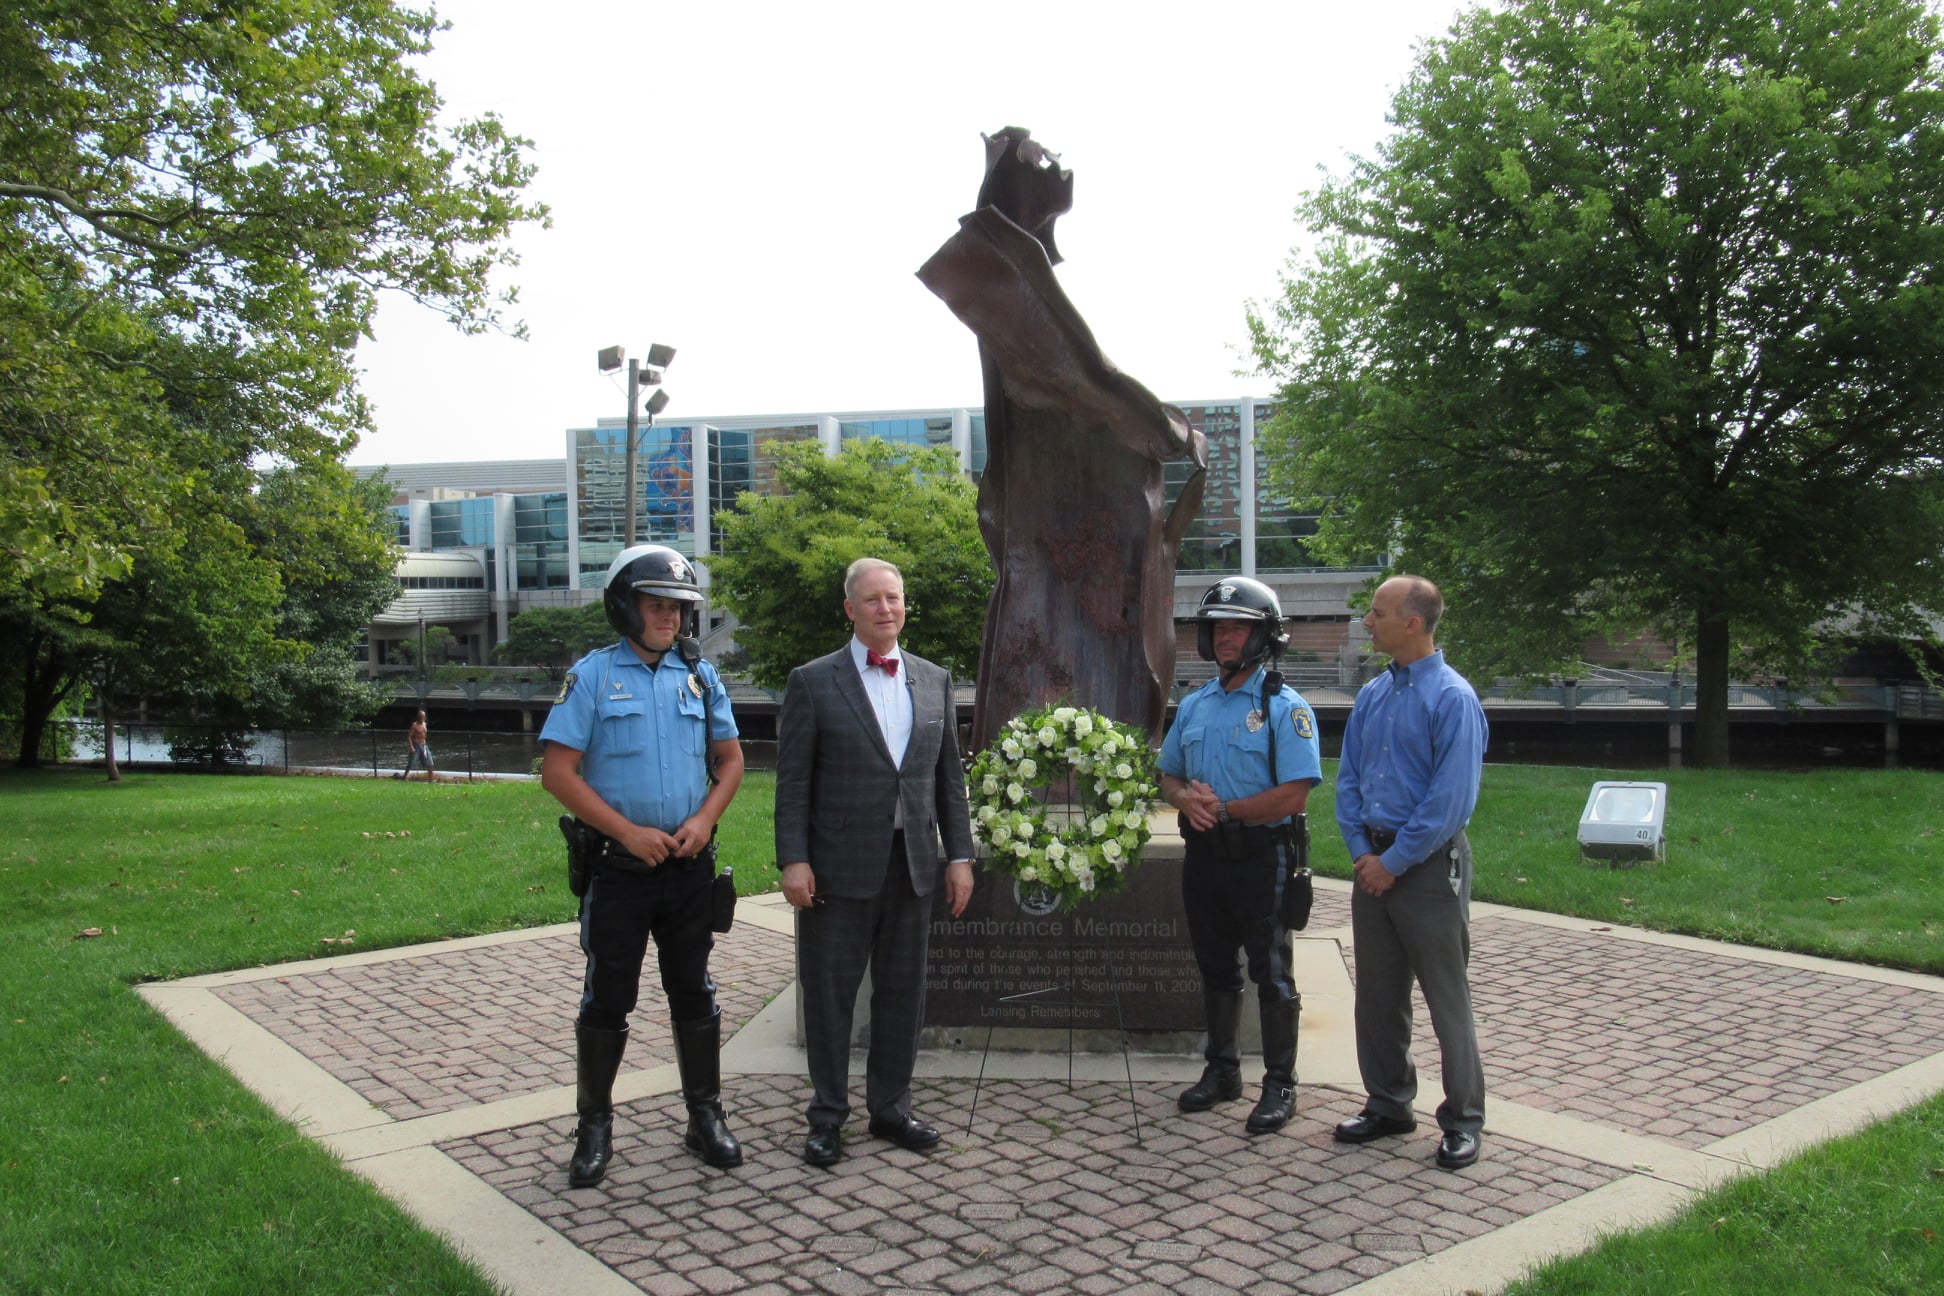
(620, 911)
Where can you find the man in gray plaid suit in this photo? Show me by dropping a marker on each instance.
(867, 778)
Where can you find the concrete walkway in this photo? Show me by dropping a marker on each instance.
(1627, 1071)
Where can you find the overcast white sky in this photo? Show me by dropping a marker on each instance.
(755, 184)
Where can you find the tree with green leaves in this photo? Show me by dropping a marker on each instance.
(1636, 321)
(200, 204)
(554, 638)
(781, 571)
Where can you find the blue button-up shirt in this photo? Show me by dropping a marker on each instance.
(639, 729)
(1412, 755)
(1211, 740)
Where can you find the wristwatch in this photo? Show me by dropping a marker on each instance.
(1221, 812)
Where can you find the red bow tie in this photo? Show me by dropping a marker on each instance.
(890, 664)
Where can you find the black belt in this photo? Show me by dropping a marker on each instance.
(1381, 840)
(607, 850)
(1235, 840)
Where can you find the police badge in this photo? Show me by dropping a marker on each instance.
(1254, 722)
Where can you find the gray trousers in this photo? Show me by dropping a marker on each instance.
(836, 940)
(1420, 930)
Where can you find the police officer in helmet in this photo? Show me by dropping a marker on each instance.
(642, 748)
(1239, 763)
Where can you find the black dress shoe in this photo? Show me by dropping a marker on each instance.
(1365, 1126)
(906, 1132)
(825, 1146)
(1457, 1149)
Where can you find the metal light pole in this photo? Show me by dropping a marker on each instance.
(421, 657)
(639, 376)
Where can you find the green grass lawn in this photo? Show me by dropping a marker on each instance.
(131, 1163)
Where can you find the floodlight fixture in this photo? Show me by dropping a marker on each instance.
(1624, 822)
(640, 375)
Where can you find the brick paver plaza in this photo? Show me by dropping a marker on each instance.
(1626, 1071)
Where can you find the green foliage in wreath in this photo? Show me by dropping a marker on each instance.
(1073, 852)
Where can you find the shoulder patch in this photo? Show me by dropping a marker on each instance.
(1300, 717)
(566, 687)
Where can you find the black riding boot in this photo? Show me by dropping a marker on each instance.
(597, 1058)
(1278, 1101)
(698, 1055)
(1221, 1079)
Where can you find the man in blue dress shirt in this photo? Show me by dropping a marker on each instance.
(1406, 786)
(630, 746)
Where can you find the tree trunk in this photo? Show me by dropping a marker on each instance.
(1711, 690)
(108, 735)
(47, 682)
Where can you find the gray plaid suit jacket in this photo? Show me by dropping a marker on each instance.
(836, 786)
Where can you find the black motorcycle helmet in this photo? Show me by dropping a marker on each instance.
(649, 569)
(1238, 598)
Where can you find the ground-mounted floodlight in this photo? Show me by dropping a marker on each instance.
(1624, 822)
(640, 375)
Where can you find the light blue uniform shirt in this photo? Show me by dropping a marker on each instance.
(639, 730)
(1211, 741)
(1412, 754)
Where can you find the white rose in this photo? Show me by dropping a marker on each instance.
(1015, 793)
(1010, 748)
(1072, 755)
(1064, 715)
(1049, 736)
(1025, 830)
(1055, 852)
(1135, 818)
(1097, 826)
(988, 813)
(1029, 874)
(1123, 771)
(1111, 848)
(989, 786)
(1001, 835)
(1114, 799)
(1028, 768)
(1022, 850)
(1083, 725)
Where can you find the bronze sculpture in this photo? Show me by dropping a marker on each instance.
(1071, 504)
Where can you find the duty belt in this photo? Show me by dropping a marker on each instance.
(604, 849)
(1236, 840)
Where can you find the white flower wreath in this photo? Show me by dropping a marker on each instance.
(1073, 852)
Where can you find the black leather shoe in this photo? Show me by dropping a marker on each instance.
(1365, 1126)
(906, 1132)
(825, 1146)
(1217, 1085)
(1457, 1149)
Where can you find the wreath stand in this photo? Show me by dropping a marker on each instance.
(1071, 1002)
